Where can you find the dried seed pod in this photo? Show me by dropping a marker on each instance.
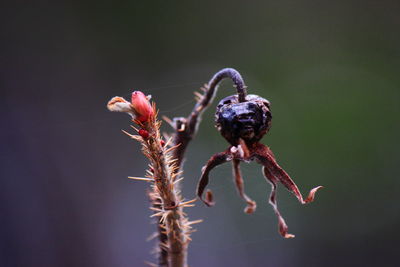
(249, 120)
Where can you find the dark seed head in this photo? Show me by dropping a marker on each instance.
(248, 120)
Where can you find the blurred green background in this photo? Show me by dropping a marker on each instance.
(329, 68)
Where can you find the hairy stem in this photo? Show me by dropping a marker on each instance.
(164, 188)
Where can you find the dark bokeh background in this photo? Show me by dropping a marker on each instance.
(330, 69)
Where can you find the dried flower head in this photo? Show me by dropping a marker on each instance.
(243, 120)
(119, 104)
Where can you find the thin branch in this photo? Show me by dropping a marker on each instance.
(186, 128)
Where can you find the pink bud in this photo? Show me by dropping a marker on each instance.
(142, 106)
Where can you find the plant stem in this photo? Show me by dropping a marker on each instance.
(186, 128)
(164, 189)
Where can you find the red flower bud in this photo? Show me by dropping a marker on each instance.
(143, 133)
(162, 142)
(142, 106)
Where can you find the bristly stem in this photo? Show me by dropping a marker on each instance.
(167, 203)
(169, 209)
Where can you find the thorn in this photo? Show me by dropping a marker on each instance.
(197, 94)
(156, 209)
(166, 135)
(173, 160)
(178, 180)
(141, 178)
(164, 246)
(188, 202)
(136, 129)
(152, 236)
(171, 148)
(169, 140)
(194, 222)
(176, 175)
(168, 120)
(164, 216)
(136, 137)
(158, 214)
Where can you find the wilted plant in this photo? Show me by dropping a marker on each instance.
(241, 119)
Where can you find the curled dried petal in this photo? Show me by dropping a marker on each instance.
(265, 156)
(251, 204)
(282, 226)
(311, 194)
(213, 162)
(119, 104)
(274, 174)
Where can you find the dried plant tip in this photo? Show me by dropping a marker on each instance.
(251, 207)
(119, 104)
(283, 229)
(311, 194)
(142, 106)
